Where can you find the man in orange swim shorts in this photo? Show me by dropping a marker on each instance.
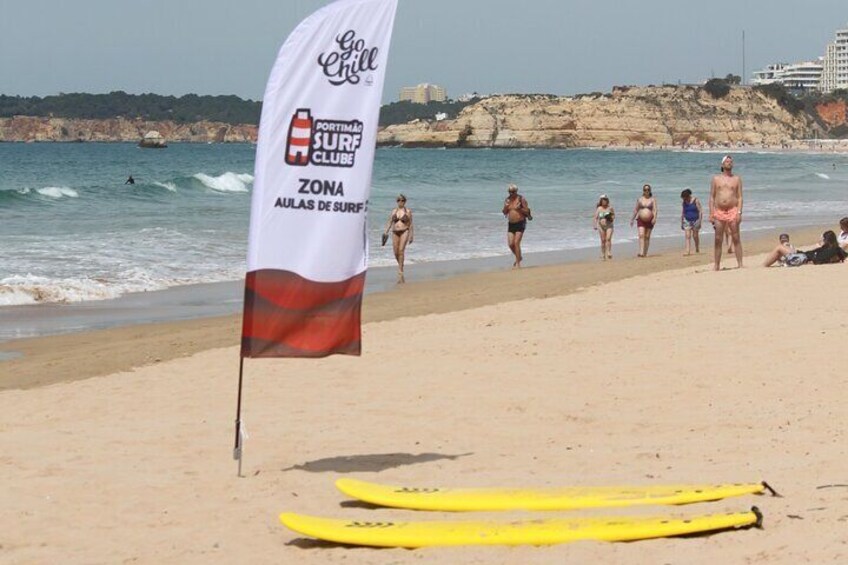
(726, 209)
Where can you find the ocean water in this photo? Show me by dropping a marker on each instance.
(71, 230)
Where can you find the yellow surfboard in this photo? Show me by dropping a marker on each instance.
(570, 498)
(526, 532)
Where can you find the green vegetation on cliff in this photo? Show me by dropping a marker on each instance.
(183, 109)
(403, 112)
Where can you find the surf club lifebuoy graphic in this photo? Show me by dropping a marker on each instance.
(323, 143)
(300, 134)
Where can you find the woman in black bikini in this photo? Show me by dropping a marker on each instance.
(604, 222)
(400, 224)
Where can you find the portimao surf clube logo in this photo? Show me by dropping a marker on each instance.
(324, 143)
(348, 60)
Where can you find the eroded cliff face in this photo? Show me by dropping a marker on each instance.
(833, 114)
(26, 128)
(635, 116)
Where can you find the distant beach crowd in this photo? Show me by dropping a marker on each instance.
(725, 208)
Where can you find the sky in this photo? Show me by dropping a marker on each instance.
(487, 46)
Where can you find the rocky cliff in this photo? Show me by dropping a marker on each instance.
(628, 117)
(25, 128)
(833, 113)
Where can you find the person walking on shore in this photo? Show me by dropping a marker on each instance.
(726, 209)
(645, 215)
(400, 224)
(517, 212)
(603, 224)
(690, 221)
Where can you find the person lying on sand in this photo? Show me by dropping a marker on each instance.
(828, 252)
(780, 253)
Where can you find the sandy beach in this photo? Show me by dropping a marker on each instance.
(116, 444)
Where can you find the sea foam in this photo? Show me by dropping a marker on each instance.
(57, 192)
(31, 289)
(227, 182)
(166, 185)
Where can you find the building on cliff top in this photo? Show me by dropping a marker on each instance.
(835, 73)
(423, 93)
(799, 78)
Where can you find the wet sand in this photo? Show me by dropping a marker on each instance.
(73, 356)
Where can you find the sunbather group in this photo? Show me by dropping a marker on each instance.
(831, 249)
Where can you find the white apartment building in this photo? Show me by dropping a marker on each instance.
(835, 72)
(768, 75)
(799, 77)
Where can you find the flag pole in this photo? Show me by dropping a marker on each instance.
(237, 446)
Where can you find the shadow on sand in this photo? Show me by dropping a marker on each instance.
(310, 543)
(373, 463)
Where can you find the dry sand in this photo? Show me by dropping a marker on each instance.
(677, 376)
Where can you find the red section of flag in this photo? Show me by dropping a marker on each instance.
(286, 315)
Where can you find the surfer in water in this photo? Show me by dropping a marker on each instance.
(645, 215)
(726, 209)
(400, 224)
(130, 180)
(517, 212)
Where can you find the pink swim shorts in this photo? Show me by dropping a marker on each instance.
(726, 215)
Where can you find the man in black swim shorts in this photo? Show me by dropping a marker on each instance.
(517, 212)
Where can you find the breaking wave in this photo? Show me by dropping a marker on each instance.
(227, 182)
(57, 192)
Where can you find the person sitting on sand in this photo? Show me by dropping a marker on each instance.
(726, 209)
(400, 223)
(517, 212)
(603, 224)
(828, 252)
(645, 215)
(690, 221)
(842, 238)
(782, 252)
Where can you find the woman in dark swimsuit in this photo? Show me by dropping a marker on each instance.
(645, 215)
(400, 224)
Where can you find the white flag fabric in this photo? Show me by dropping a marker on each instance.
(307, 247)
